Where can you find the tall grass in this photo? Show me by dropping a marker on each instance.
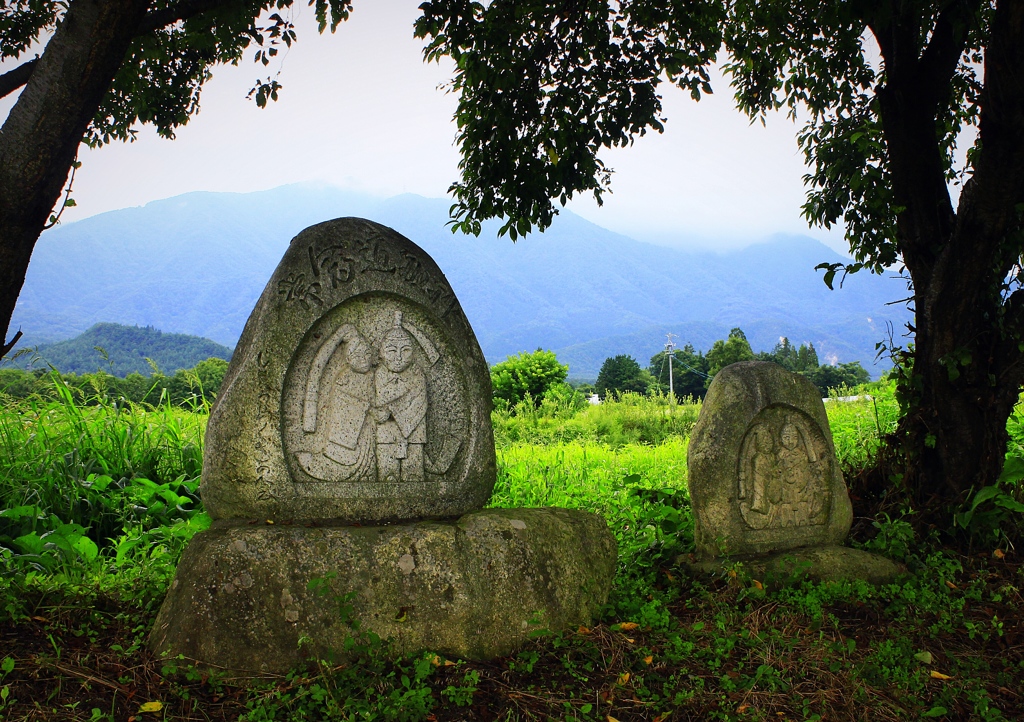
(640, 489)
(567, 417)
(123, 476)
(76, 477)
(858, 427)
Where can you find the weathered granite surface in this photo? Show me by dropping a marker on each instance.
(763, 474)
(473, 588)
(357, 391)
(820, 564)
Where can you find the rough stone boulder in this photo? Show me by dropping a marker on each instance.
(763, 473)
(765, 483)
(357, 391)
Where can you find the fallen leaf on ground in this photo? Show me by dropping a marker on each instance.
(998, 553)
(626, 626)
(757, 584)
(151, 707)
(950, 584)
(925, 657)
(939, 675)
(648, 659)
(583, 630)
(623, 678)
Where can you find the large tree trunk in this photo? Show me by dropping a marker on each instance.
(963, 387)
(967, 368)
(40, 138)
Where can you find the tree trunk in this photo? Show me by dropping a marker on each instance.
(954, 433)
(40, 138)
(966, 370)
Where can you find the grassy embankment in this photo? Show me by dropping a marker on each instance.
(98, 502)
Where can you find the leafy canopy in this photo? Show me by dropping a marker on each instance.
(545, 87)
(160, 80)
(542, 86)
(731, 350)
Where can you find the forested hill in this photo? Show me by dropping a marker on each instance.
(197, 263)
(124, 351)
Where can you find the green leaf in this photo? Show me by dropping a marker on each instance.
(936, 711)
(1013, 469)
(22, 512)
(86, 548)
(983, 495)
(1007, 502)
(924, 657)
(30, 544)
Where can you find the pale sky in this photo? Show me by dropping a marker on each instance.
(360, 109)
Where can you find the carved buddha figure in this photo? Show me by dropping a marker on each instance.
(367, 419)
(400, 408)
(782, 479)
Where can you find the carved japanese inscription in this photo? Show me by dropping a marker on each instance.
(785, 471)
(373, 397)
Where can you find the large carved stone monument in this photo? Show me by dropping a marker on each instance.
(764, 478)
(351, 446)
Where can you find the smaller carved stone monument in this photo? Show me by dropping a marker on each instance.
(764, 478)
(350, 451)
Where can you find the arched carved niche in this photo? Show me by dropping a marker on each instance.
(785, 471)
(373, 397)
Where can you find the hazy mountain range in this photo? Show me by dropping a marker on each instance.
(196, 264)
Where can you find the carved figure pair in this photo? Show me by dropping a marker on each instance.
(375, 422)
(780, 485)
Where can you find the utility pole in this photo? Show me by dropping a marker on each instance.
(669, 346)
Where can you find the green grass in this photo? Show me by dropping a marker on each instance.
(98, 500)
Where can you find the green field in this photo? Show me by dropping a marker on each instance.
(98, 500)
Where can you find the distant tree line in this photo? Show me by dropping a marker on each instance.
(121, 350)
(692, 370)
(186, 387)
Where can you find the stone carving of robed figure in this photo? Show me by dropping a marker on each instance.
(373, 426)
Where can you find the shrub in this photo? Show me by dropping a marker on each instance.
(526, 374)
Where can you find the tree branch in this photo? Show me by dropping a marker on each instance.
(6, 348)
(1002, 118)
(949, 38)
(14, 79)
(183, 10)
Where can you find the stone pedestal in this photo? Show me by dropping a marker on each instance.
(244, 595)
(819, 564)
